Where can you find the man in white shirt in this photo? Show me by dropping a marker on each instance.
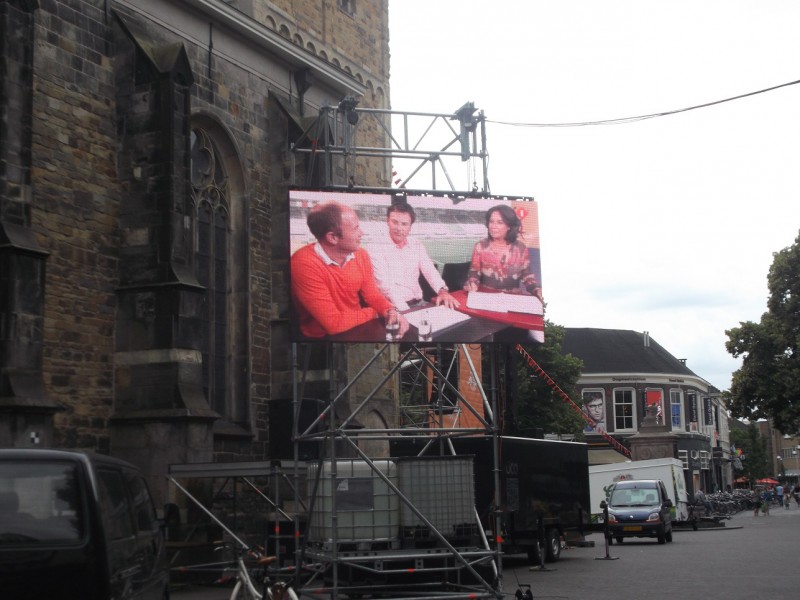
(398, 262)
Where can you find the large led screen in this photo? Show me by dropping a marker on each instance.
(399, 267)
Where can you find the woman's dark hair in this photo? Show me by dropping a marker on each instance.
(509, 217)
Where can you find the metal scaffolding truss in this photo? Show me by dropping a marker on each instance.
(427, 152)
(448, 570)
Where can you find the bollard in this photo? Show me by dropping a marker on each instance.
(606, 532)
(542, 546)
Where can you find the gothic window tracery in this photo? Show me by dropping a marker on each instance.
(211, 250)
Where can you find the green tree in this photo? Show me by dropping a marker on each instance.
(532, 404)
(767, 385)
(756, 463)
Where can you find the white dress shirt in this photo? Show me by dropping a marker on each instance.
(397, 270)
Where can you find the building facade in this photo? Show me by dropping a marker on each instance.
(146, 150)
(784, 453)
(627, 375)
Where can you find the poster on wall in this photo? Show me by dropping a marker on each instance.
(594, 408)
(654, 404)
(708, 413)
(692, 407)
(400, 267)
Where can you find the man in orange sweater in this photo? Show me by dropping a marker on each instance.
(332, 275)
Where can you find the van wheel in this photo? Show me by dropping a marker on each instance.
(619, 539)
(553, 545)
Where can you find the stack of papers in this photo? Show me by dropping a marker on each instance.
(440, 317)
(519, 303)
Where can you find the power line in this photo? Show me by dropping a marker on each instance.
(643, 117)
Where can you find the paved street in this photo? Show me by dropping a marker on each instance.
(749, 558)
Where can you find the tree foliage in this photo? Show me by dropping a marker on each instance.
(756, 463)
(767, 385)
(532, 403)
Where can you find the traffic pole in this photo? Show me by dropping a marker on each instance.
(606, 533)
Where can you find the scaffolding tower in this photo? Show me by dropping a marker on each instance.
(429, 151)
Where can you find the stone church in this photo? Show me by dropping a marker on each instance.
(146, 151)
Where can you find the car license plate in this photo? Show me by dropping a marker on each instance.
(632, 528)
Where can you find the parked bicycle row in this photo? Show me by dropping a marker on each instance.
(760, 499)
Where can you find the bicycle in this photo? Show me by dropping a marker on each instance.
(253, 576)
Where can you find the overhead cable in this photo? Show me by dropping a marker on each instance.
(624, 120)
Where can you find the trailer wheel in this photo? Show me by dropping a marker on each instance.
(553, 545)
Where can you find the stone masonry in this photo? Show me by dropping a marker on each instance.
(105, 338)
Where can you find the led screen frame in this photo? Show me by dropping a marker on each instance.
(448, 229)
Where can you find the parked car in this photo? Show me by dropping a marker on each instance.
(78, 526)
(668, 470)
(640, 508)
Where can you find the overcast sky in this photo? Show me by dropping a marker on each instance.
(665, 225)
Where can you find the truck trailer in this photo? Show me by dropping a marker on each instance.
(543, 491)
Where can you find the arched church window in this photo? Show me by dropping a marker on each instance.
(211, 252)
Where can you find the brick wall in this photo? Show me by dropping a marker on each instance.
(74, 214)
(108, 208)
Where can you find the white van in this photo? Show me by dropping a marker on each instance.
(668, 470)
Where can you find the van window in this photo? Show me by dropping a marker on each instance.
(144, 511)
(40, 503)
(114, 505)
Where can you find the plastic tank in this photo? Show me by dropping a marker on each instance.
(366, 508)
(443, 489)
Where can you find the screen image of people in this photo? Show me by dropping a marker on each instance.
(371, 267)
(594, 408)
(500, 261)
(332, 278)
(399, 259)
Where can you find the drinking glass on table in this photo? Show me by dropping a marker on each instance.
(392, 330)
(425, 331)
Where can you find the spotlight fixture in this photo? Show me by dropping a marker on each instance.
(348, 107)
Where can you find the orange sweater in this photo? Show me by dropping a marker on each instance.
(327, 298)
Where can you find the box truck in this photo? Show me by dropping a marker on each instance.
(543, 492)
(668, 470)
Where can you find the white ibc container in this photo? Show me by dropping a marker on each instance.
(443, 489)
(366, 508)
